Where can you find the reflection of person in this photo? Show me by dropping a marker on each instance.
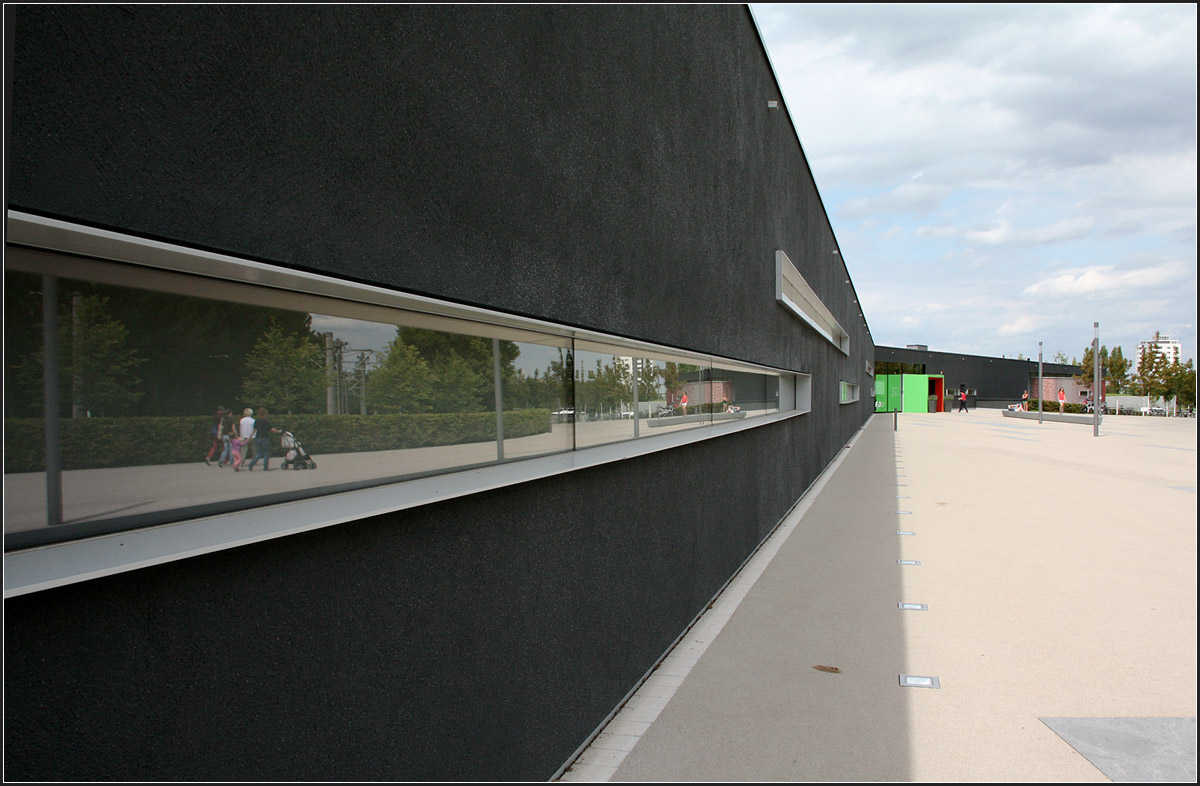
(727, 407)
(683, 401)
(262, 440)
(962, 401)
(236, 444)
(228, 432)
(1025, 401)
(244, 434)
(1062, 400)
(216, 434)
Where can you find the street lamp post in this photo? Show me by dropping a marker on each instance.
(1041, 385)
(1096, 381)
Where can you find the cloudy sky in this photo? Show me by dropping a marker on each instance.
(999, 175)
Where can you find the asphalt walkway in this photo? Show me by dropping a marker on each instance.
(1050, 625)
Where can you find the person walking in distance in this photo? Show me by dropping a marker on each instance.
(262, 440)
(1062, 401)
(245, 434)
(962, 401)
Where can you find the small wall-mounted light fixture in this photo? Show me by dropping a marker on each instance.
(915, 681)
(772, 105)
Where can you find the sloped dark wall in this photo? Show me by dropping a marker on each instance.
(614, 168)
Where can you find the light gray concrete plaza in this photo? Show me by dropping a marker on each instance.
(1058, 572)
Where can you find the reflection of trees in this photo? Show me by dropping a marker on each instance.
(551, 390)
(432, 371)
(403, 382)
(649, 381)
(98, 368)
(285, 373)
(609, 386)
(194, 349)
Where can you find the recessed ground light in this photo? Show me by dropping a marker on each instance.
(900, 497)
(904, 532)
(908, 562)
(904, 512)
(915, 681)
(912, 606)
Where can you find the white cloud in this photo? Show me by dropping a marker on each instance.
(906, 198)
(1078, 121)
(941, 230)
(1060, 231)
(1019, 326)
(1106, 279)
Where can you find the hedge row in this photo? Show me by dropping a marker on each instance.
(1052, 406)
(91, 443)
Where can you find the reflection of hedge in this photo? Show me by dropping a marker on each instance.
(126, 442)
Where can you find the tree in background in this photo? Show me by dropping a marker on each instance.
(285, 373)
(1061, 357)
(1117, 368)
(1179, 380)
(1088, 367)
(1148, 379)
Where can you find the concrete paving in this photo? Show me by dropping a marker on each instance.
(1058, 572)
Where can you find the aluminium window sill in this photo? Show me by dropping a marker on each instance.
(61, 564)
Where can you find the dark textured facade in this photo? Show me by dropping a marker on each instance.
(613, 168)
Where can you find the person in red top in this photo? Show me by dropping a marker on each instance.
(1062, 400)
(683, 402)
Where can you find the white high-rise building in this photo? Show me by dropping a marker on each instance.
(1172, 351)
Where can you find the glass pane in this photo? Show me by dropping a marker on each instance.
(172, 405)
(678, 395)
(537, 392)
(741, 394)
(604, 398)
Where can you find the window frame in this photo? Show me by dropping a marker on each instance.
(56, 564)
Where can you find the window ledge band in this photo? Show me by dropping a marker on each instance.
(61, 564)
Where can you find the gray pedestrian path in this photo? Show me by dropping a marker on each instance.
(1059, 574)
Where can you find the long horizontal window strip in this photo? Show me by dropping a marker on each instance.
(793, 291)
(170, 395)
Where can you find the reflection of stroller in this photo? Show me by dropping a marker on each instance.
(295, 456)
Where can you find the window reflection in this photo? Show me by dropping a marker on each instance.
(174, 405)
(604, 398)
(740, 394)
(175, 393)
(538, 398)
(682, 395)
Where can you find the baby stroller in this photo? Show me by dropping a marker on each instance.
(295, 457)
